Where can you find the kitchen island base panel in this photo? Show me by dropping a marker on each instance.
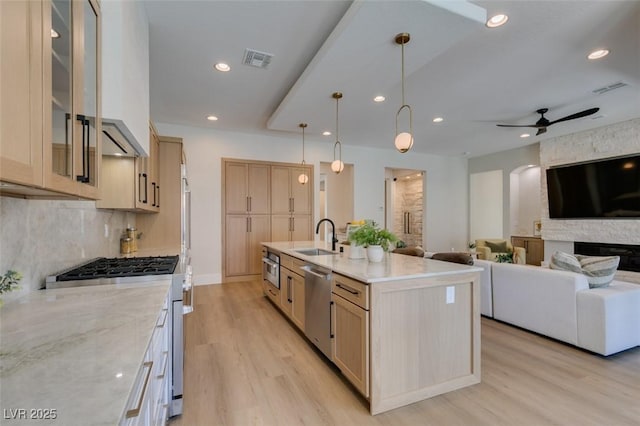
(425, 339)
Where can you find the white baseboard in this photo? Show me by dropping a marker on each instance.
(206, 279)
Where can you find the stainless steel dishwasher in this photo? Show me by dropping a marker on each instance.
(317, 307)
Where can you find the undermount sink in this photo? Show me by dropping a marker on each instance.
(314, 252)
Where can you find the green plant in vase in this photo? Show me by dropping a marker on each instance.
(504, 258)
(371, 236)
(9, 282)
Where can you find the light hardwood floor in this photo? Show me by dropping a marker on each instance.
(245, 364)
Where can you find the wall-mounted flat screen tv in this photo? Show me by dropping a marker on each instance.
(607, 188)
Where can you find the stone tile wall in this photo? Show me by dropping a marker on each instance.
(409, 197)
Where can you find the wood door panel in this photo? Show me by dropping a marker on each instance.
(280, 195)
(235, 181)
(237, 245)
(258, 189)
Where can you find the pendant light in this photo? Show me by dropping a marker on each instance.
(337, 165)
(303, 178)
(404, 140)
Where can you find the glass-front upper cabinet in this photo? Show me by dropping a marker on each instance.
(74, 124)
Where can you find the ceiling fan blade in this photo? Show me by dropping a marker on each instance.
(580, 114)
(541, 130)
(517, 125)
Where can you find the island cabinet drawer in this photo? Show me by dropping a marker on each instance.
(272, 293)
(292, 264)
(354, 291)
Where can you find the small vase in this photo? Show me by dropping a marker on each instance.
(375, 253)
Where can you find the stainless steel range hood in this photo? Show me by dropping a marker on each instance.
(118, 140)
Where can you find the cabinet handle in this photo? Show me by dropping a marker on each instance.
(272, 293)
(293, 204)
(84, 177)
(140, 187)
(246, 224)
(347, 289)
(158, 201)
(67, 172)
(289, 290)
(250, 207)
(134, 412)
(293, 224)
(153, 184)
(331, 335)
(146, 185)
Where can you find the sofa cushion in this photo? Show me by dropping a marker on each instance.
(463, 258)
(599, 270)
(497, 247)
(410, 251)
(565, 262)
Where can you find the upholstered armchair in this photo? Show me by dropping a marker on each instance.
(489, 249)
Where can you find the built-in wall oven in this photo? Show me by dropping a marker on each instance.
(271, 268)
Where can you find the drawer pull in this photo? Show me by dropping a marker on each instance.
(164, 364)
(164, 318)
(136, 411)
(347, 289)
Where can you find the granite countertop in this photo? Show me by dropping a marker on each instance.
(392, 268)
(76, 351)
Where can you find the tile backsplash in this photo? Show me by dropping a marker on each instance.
(41, 237)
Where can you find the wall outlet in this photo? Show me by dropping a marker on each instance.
(451, 295)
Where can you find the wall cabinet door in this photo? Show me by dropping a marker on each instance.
(237, 245)
(72, 123)
(301, 228)
(21, 92)
(286, 291)
(259, 231)
(350, 344)
(288, 195)
(280, 228)
(247, 188)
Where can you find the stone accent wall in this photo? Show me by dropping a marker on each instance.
(604, 142)
(409, 197)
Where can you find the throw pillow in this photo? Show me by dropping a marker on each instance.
(500, 247)
(565, 262)
(463, 258)
(599, 270)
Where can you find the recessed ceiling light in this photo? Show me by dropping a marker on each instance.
(221, 66)
(497, 20)
(438, 120)
(379, 98)
(597, 54)
(525, 135)
(212, 118)
(54, 33)
(326, 133)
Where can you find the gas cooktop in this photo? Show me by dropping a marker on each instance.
(113, 270)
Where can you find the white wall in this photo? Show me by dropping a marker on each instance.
(446, 189)
(507, 161)
(525, 200)
(486, 205)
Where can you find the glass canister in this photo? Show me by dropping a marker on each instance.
(131, 233)
(125, 245)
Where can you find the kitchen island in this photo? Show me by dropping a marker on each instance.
(74, 356)
(402, 330)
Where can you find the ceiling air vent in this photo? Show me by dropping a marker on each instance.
(609, 88)
(256, 59)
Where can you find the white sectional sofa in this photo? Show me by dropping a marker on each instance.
(560, 304)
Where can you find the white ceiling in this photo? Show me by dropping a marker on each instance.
(456, 68)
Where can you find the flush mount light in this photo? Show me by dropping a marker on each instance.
(54, 33)
(598, 54)
(303, 178)
(223, 67)
(212, 118)
(438, 120)
(525, 135)
(337, 165)
(404, 140)
(326, 133)
(497, 20)
(379, 98)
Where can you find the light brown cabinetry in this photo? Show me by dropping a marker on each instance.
(292, 292)
(162, 230)
(244, 233)
(50, 135)
(534, 247)
(350, 343)
(246, 188)
(132, 183)
(290, 203)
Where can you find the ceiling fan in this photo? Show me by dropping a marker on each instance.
(543, 123)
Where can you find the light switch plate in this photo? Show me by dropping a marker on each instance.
(451, 294)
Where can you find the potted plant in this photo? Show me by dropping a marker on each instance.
(472, 247)
(376, 240)
(9, 282)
